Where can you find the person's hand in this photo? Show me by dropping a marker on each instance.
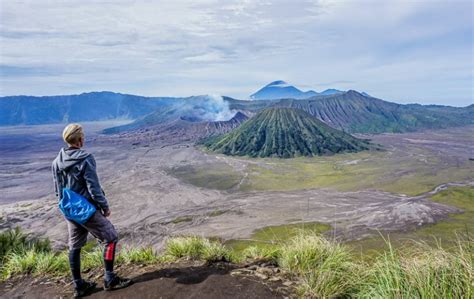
(106, 213)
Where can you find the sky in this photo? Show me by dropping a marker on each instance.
(402, 51)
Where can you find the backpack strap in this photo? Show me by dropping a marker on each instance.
(62, 181)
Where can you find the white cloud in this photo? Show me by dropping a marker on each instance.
(234, 47)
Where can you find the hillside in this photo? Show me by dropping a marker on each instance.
(350, 111)
(93, 106)
(357, 113)
(194, 109)
(285, 133)
(181, 130)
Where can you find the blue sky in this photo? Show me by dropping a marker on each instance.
(402, 51)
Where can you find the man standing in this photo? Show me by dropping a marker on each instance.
(75, 169)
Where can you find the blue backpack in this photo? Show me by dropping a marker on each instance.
(76, 207)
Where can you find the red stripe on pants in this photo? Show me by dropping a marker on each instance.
(109, 253)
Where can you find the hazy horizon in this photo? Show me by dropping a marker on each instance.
(399, 51)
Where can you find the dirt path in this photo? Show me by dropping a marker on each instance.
(216, 281)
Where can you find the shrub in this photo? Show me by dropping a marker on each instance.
(52, 264)
(185, 247)
(215, 252)
(92, 259)
(196, 248)
(270, 253)
(137, 256)
(424, 272)
(14, 240)
(325, 268)
(33, 262)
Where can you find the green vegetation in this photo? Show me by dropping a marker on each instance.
(16, 241)
(327, 269)
(403, 169)
(424, 272)
(220, 176)
(349, 111)
(216, 213)
(182, 219)
(284, 133)
(282, 233)
(263, 251)
(443, 233)
(408, 173)
(30, 256)
(323, 268)
(197, 248)
(263, 239)
(353, 112)
(144, 256)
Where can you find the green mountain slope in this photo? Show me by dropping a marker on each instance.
(358, 113)
(284, 133)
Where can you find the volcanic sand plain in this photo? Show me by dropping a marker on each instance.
(158, 188)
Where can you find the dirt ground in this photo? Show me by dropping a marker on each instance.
(148, 204)
(174, 281)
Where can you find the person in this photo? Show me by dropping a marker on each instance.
(74, 168)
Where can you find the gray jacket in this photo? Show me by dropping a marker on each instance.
(75, 169)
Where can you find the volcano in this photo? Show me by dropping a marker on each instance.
(285, 133)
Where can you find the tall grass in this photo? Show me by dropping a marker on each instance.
(33, 262)
(143, 256)
(197, 248)
(92, 259)
(327, 269)
(268, 253)
(324, 269)
(21, 255)
(16, 241)
(26, 259)
(424, 272)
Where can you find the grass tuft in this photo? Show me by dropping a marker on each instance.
(326, 268)
(426, 272)
(55, 264)
(15, 240)
(92, 259)
(268, 253)
(144, 256)
(197, 248)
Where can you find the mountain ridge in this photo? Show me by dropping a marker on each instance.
(350, 111)
(284, 133)
(90, 106)
(282, 90)
(356, 113)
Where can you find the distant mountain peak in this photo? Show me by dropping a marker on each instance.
(331, 91)
(278, 83)
(353, 92)
(281, 90)
(240, 116)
